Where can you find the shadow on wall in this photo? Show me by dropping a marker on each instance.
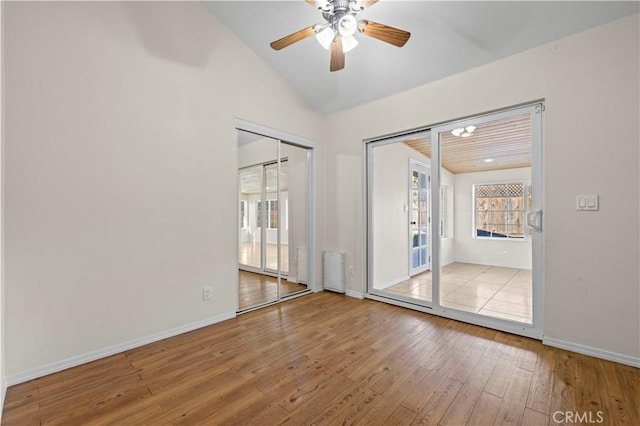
(182, 32)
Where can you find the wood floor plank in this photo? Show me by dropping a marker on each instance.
(330, 359)
(439, 403)
(462, 406)
(509, 413)
(534, 418)
(588, 397)
(384, 408)
(563, 392)
(433, 380)
(629, 379)
(402, 416)
(485, 411)
(540, 396)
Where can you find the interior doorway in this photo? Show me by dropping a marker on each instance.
(483, 208)
(274, 226)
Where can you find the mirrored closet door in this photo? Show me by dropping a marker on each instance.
(273, 209)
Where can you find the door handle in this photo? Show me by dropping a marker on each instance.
(534, 219)
(413, 222)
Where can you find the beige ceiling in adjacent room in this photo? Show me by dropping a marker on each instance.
(506, 142)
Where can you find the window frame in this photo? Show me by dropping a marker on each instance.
(270, 213)
(244, 214)
(526, 232)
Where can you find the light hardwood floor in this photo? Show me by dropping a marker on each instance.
(487, 290)
(330, 359)
(256, 289)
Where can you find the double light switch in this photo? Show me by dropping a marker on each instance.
(587, 202)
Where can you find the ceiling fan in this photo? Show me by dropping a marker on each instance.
(339, 28)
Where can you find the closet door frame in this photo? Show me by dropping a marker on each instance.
(308, 144)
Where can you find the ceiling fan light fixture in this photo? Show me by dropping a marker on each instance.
(337, 31)
(325, 37)
(323, 5)
(349, 43)
(347, 25)
(463, 132)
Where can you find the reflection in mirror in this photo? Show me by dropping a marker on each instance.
(257, 245)
(273, 209)
(294, 260)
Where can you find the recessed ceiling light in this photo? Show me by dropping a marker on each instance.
(489, 160)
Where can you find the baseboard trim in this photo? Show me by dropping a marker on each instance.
(54, 367)
(356, 294)
(594, 352)
(393, 282)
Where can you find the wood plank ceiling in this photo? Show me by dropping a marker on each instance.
(507, 142)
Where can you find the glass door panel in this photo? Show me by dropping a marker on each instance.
(258, 284)
(271, 215)
(250, 251)
(293, 224)
(399, 216)
(489, 162)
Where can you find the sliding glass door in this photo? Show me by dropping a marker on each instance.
(399, 217)
(483, 204)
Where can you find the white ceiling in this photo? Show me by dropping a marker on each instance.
(447, 37)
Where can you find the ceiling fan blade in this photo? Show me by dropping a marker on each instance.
(293, 38)
(365, 4)
(385, 33)
(337, 55)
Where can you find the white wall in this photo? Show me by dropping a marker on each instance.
(590, 85)
(511, 253)
(121, 171)
(390, 212)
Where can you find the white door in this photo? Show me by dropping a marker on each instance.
(419, 253)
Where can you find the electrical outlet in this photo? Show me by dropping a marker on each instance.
(351, 271)
(206, 293)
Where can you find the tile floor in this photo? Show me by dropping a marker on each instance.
(487, 290)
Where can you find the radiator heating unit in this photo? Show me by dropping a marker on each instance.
(334, 271)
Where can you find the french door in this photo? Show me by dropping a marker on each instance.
(485, 225)
(419, 182)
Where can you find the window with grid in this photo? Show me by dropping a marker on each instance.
(244, 222)
(259, 214)
(272, 214)
(500, 210)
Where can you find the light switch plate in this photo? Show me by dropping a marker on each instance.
(587, 202)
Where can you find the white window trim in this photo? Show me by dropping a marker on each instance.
(526, 236)
(244, 214)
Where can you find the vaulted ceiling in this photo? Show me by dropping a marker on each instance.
(447, 37)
